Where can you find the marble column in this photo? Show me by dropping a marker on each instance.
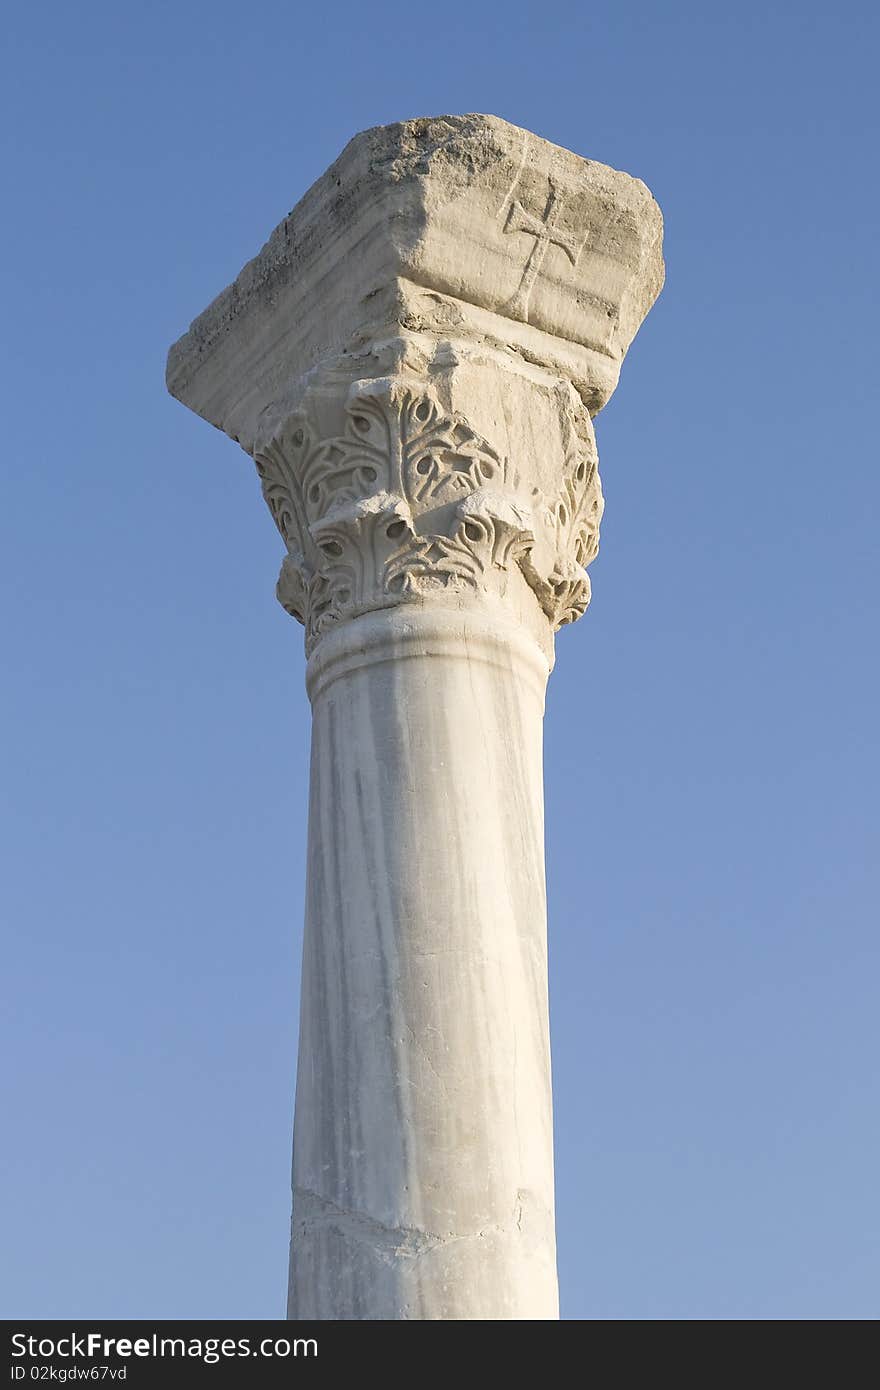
(413, 362)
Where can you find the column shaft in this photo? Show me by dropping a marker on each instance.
(423, 1168)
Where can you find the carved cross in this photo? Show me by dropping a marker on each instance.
(545, 232)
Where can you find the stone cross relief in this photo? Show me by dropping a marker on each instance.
(546, 234)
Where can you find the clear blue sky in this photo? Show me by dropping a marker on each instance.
(712, 739)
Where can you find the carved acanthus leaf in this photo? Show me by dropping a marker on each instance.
(409, 500)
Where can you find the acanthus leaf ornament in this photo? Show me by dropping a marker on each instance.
(409, 501)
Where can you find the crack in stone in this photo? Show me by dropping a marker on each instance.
(407, 1241)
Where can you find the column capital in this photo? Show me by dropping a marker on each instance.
(413, 360)
(455, 480)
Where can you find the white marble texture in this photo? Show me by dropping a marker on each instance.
(423, 1159)
(413, 362)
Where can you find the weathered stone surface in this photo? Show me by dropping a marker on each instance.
(461, 225)
(423, 1147)
(413, 361)
(458, 475)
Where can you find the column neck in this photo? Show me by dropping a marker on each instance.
(474, 634)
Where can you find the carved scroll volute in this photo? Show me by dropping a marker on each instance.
(567, 540)
(407, 501)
